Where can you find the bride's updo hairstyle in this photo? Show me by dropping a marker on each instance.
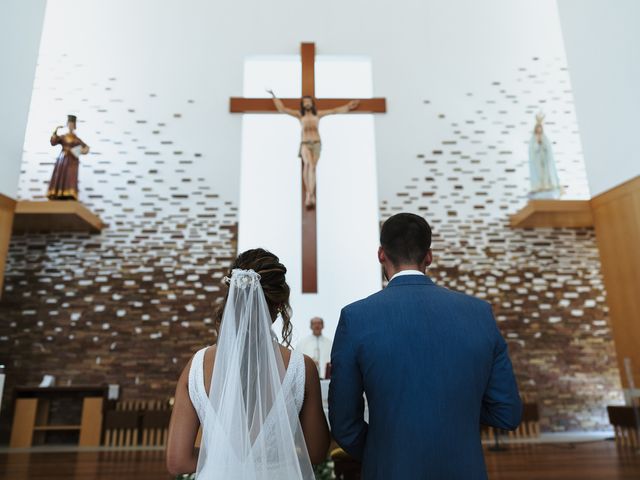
(273, 282)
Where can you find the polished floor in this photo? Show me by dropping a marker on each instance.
(595, 460)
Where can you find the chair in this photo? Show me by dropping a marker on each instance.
(121, 428)
(530, 425)
(528, 429)
(155, 427)
(624, 422)
(137, 422)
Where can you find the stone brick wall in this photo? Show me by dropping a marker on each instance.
(130, 305)
(126, 308)
(549, 301)
(545, 284)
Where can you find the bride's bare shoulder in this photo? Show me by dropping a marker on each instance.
(210, 353)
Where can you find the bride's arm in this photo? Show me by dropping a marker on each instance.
(181, 455)
(312, 418)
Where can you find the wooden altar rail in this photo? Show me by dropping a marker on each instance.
(146, 423)
(625, 426)
(137, 423)
(529, 426)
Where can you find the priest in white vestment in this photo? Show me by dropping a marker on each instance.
(317, 346)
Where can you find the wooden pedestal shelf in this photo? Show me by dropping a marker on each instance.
(55, 216)
(554, 214)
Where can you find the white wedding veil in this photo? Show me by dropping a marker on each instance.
(251, 429)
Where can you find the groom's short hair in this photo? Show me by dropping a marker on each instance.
(405, 239)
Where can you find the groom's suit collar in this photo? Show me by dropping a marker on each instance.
(417, 279)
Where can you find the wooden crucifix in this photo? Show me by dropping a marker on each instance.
(293, 106)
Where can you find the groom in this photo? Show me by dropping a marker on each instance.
(432, 364)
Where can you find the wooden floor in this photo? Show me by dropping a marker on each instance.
(599, 460)
(584, 461)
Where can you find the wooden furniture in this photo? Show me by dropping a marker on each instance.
(137, 423)
(121, 428)
(615, 214)
(55, 216)
(530, 424)
(617, 221)
(33, 420)
(529, 427)
(553, 214)
(625, 425)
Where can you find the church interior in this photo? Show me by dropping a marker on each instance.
(508, 125)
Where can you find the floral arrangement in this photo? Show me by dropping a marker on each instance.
(324, 471)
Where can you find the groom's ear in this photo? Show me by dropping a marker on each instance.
(381, 256)
(429, 258)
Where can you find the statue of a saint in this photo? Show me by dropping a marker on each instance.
(64, 181)
(542, 166)
(310, 144)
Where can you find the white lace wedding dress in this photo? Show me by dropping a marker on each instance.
(250, 417)
(293, 383)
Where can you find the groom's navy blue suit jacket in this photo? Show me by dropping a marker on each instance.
(433, 366)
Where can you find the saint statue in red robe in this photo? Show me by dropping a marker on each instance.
(64, 181)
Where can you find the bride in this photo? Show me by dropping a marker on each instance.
(258, 402)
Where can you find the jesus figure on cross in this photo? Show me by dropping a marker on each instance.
(308, 110)
(310, 144)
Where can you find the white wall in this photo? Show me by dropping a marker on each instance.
(430, 50)
(347, 210)
(151, 92)
(602, 39)
(20, 29)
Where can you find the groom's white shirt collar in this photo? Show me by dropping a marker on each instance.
(402, 273)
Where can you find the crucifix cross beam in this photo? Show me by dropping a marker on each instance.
(266, 105)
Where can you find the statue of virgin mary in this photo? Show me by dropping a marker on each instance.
(542, 166)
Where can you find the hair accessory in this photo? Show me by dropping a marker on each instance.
(244, 278)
